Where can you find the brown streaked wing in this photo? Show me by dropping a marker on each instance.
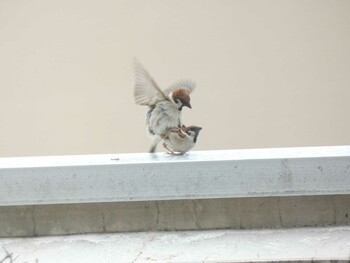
(146, 90)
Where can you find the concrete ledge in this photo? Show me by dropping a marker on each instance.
(234, 189)
(288, 245)
(199, 175)
(231, 213)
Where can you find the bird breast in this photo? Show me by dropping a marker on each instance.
(163, 116)
(179, 144)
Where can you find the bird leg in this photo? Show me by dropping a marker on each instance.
(181, 133)
(166, 136)
(170, 151)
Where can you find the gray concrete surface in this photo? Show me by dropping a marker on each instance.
(331, 244)
(154, 177)
(235, 213)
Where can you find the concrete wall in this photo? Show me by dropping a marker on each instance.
(269, 73)
(240, 213)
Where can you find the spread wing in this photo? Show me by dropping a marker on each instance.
(146, 90)
(187, 84)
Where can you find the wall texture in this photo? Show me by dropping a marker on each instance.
(238, 213)
(269, 73)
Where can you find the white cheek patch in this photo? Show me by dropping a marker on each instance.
(192, 134)
(178, 104)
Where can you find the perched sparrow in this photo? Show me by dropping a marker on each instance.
(181, 140)
(164, 106)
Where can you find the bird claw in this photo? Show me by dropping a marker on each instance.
(175, 153)
(182, 134)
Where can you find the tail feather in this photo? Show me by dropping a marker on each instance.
(155, 142)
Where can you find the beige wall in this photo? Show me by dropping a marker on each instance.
(269, 73)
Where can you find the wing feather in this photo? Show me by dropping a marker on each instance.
(146, 90)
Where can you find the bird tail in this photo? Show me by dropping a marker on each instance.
(154, 144)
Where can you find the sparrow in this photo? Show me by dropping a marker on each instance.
(164, 106)
(180, 140)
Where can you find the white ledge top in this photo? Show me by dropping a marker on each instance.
(197, 175)
(195, 156)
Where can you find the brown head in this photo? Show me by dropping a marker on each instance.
(181, 97)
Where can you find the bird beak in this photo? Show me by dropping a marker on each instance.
(188, 104)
